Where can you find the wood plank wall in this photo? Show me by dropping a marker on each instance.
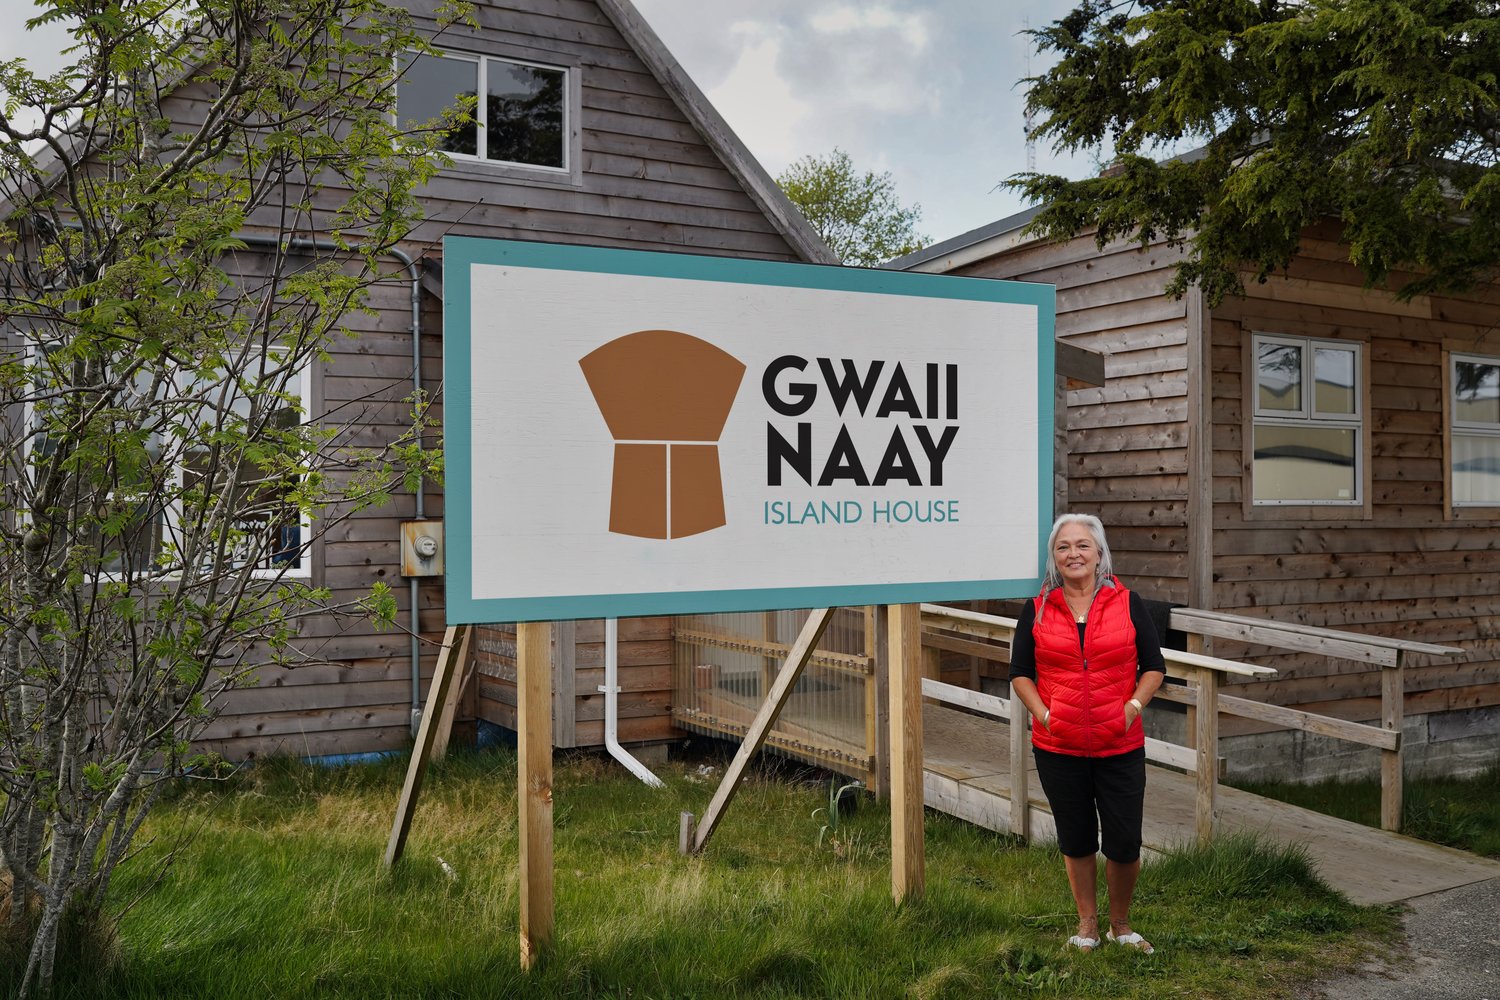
(1126, 444)
(352, 694)
(645, 679)
(1414, 568)
(648, 180)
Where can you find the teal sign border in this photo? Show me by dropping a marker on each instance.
(460, 253)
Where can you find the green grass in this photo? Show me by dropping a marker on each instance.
(280, 893)
(1458, 812)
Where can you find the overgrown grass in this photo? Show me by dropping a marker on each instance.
(281, 894)
(1458, 812)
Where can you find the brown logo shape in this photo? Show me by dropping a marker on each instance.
(665, 396)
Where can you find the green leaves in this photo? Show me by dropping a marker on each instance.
(165, 292)
(1380, 114)
(858, 216)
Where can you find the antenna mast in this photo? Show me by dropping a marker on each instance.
(1027, 117)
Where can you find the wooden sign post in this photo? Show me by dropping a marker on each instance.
(907, 844)
(534, 796)
(706, 434)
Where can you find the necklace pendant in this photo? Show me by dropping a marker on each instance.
(1082, 619)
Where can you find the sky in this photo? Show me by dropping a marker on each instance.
(925, 90)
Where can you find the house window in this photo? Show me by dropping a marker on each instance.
(120, 526)
(1475, 430)
(1308, 421)
(268, 531)
(522, 120)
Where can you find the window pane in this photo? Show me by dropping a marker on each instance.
(1476, 469)
(431, 85)
(268, 527)
(132, 539)
(1279, 377)
(525, 114)
(1333, 380)
(1476, 392)
(1307, 463)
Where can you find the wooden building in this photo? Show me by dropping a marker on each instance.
(1314, 452)
(619, 149)
(643, 161)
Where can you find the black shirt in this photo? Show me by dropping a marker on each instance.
(1147, 647)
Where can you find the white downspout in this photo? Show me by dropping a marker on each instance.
(611, 689)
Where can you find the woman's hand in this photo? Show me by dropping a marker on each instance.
(1132, 712)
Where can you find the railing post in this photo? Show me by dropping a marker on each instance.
(1020, 794)
(1392, 709)
(932, 666)
(1195, 644)
(1206, 742)
(881, 682)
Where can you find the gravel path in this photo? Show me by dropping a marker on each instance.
(1453, 940)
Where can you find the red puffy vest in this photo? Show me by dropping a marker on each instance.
(1085, 688)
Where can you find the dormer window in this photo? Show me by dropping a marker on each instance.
(522, 120)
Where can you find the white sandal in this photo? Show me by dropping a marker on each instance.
(1131, 940)
(1083, 943)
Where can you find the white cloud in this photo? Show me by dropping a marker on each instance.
(764, 109)
(846, 19)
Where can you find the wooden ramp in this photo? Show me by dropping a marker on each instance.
(967, 763)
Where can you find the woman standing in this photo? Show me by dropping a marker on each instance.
(1086, 661)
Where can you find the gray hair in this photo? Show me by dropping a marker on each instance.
(1051, 578)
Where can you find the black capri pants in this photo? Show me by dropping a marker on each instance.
(1094, 798)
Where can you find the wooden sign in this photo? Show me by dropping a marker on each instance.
(632, 433)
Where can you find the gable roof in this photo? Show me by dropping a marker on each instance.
(763, 190)
(767, 195)
(966, 248)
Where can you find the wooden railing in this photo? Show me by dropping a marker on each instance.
(1390, 655)
(976, 634)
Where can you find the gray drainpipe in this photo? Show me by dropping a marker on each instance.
(416, 383)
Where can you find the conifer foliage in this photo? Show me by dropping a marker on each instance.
(1381, 114)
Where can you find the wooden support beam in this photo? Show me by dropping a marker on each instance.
(1073, 362)
(907, 844)
(1392, 711)
(534, 796)
(760, 728)
(1206, 742)
(1020, 755)
(976, 650)
(416, 769)
(464, 675)
(1291, 718)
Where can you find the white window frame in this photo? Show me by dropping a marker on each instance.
(1307, 414)
(1467, 427)
(481, 110)
(171, 515)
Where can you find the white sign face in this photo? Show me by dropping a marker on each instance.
(634, 433)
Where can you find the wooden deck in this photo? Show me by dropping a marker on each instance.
(967, 764)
